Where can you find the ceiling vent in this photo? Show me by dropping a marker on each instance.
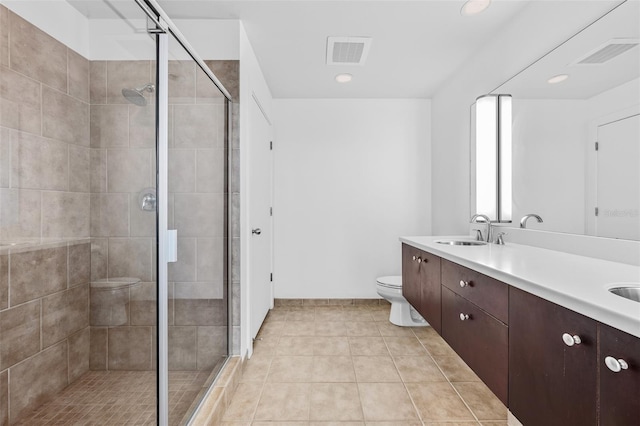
(607, 51)
(347, 50)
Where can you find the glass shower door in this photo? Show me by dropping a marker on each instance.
(196, 195)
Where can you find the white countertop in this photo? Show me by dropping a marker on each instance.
(576, 282)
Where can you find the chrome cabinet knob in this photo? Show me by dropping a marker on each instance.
(464, 283)
(616, 365)
(570, 340)
(419, 259)
(415, 258)
(256, 231)
(464, 317)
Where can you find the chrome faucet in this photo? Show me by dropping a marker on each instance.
(474, 219)
(523, 221)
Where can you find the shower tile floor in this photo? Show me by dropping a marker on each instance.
(349, 366)
(119, 398)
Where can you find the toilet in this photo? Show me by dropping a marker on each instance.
(402, 313)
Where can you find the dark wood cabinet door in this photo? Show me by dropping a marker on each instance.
(411, 287)
(550, 383)
(619, 392)
(431, 308)
(481, 341)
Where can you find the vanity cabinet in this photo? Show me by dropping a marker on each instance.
(480, 339)
(551, 382)
(619, 391)
(421, 283)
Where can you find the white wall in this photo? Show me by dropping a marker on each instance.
(515, 47)
(351, 176)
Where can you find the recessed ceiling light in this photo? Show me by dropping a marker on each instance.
(473, 7)
(558, 79)
(344, 78)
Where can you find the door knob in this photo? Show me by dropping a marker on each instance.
(256, 231)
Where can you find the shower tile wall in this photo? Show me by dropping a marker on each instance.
(122, 164)
(44, 195)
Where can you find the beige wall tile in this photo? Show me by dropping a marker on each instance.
(98, 348)
(39, 163)
(182, 82)
(36, 274)
(128, 170)
(65, 214)
(182, 170)
(98, 82)
(36, 54)
(143, 223)
(20, 336)
(5, 157)
(37, 379)
(199, 311)
(130, 348)
(98, 167)
(126, 74)
(109, 215)
(227, 71)
(210, 166)
(198, 126)
(64, 313)
(79, 264)
(4, 396)
(109, 126)
(79, 344)
(185, 268)
(64, 118)
(20, 101)
(199, 215)
(99, 258)
(19, 213)
(4, 281)
(142, 309)
(182, 348)
(79, 169)
(142, 126)
(109, 307)
(210, 265)
(130, 257)
(4, 36)
(212, 345)
(78, 67)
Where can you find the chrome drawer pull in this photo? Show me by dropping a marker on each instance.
(616, 365)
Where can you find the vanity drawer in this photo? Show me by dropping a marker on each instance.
(486, 292)
(481, 341)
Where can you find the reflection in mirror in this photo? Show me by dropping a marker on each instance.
(557, 170)
(491, 157)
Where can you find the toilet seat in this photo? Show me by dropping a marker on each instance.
(390, 281)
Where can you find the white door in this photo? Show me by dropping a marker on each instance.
(260, 193)
(618, 181)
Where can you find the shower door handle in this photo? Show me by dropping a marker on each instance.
(256, 231)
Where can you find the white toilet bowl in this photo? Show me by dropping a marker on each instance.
(402, 313)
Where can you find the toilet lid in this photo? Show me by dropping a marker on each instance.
(393, 281)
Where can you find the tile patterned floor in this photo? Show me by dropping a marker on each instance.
(118, 398)
(348, 366)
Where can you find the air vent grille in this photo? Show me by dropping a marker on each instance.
(347, 50)
(607, 52)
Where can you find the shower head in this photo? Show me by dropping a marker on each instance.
(136, 96)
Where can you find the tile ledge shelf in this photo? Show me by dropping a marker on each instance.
(26, 245)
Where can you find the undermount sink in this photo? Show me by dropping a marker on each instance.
(461, 242)
(628, 292)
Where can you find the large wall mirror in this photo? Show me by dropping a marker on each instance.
(595, 97)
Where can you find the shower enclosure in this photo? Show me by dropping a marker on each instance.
(114, 248)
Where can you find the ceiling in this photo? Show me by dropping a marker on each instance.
(417, 45)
